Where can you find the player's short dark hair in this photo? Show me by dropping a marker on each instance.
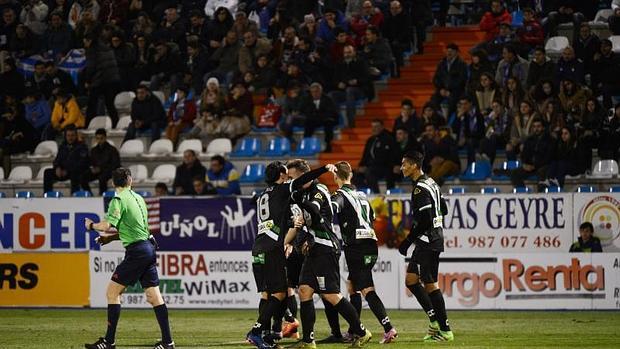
(273, 171)
(101, 131)
(587, 225)
(300, 165)
(414, 157)
(219, 158)
(343, 170)
(120, 177)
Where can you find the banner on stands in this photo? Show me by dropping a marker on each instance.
(44, 279)
(603, 211)
(488, 223)
(41, 225)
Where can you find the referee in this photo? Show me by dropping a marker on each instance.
(428, 208)
(128, 215)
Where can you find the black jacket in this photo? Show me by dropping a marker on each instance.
(356, 69)
(396, 29)
(453, 80)
(539, 72)
(475, 131)
(184, 177)
(327, 111)
(101, 67)
(536, 150)
(585, 49)
(149, 110)
(381, 151)
(18, 125)
(72, 157)
(105, 157)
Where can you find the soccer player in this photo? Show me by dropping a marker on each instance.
(428, 208)
(269, 261)
(355, 217)
(128, 214)
(320, 271)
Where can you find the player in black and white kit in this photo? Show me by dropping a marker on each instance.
(320, 271)
(428, 208)
(355, 217)
(268, 259)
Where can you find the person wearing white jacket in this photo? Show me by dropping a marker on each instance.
(33, 15)
(213, 5)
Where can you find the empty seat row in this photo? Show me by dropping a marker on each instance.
(277, 147)
(164, 147)
(78, 194)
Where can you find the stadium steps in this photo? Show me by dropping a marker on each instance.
(415, 83)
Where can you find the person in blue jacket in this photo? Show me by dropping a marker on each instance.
(38, 113)
(223, 176)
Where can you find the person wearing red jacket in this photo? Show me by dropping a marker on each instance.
(370, 15)
(491, 20)
(531, 34)
(180, 115)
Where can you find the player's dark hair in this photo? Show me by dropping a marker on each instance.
(587, 225)
(414, 157)
(101, 131)
(273, 172)
(219, 159)
(120, 177)
(300, 165)
(343, 170)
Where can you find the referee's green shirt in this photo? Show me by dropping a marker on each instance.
(127, 212)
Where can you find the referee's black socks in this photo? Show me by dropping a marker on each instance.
(161, 312)
(270, 308)
(114, 312)
(440, 309)
(347, 311)
(377, 307)
(423, 298)
(308, 318)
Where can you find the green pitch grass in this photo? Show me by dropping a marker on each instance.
(49, 328)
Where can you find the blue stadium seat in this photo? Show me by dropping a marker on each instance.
(456, 190)
(614, 189)
(82, 194)
(366, 191)
(253, 173)
(249, 147)
(109, 194)
(553, 189)
(521, 190)
(490, 190)
(506, 166)
(308, 147)
(24, 194)
(395, 191)
(477, 171)
(145, 193)
(277, 147)
(586, 189)
(53, 194)
(2, 194)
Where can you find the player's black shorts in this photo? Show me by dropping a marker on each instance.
(140, 264)
(360, 266)
(322, 273)
(428, 262)
(293, 268)
(270, 270)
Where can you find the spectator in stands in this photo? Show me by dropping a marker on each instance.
(554, 118)
(497, 125)
(367, 17)
(351, 82)
(540, 68)
(332, 18)
(479, 64)
(511, 65)
(567, 159)
(605, 72)
(125, 59)
(252, 47)
(450, 79)
(609, 146)
(586, 46)
(442, 157)
(161, 189)
(226, 58)
(504, 38)
(172, 27)
(58, 36)
(11, 81)
(588, 129)
(198, 27)
(614, 22)
(492, 19)
(66, 113)
(239, 113)
(543, 93)
(113, 11)
(407, 119)
(223, 176)
(468, 127)
(38, 113)
(144, 25)
(284, 48)
(201, 187)
(531, 34)
(292, 75)
(197, 64)
(311, 60)
(70, 163)
(406, 142)
(396, 31)
(513, 94)
(165, 66)
(263, 75)
(421, 17)
(147, 115)
(243, 24)
(377, 52)
(430, 116)
(380, 158)
(7, 28)
(521, 128)
(186, 172)
(586, 242)
(206, 125)
(181, 114)
(39, 81)
(80, 7)
(565, 12)
(573, 97)
(292, 116)
(104, 159)
(24, 44)
(213, 97)
(16, 133)
(309, 28)
(336, 48)
(486, 93)
(535, 157)
(569, 66)
(212, 7)
(61, 7)
(319, 110)
(60, 79)
(101, 77)
(217, 28)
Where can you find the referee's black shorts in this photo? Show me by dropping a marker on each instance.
(139, 264)
(322, 273)
(360, 266)
(424, 263)
(269, 270)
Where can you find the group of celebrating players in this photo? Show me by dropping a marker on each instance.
(296, 248)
